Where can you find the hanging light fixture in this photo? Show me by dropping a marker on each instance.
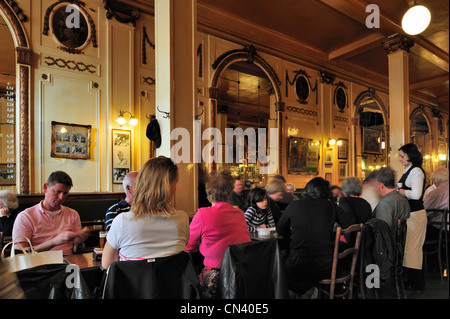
(416, 19)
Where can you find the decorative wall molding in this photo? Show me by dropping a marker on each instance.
(302, 84)
(122, 12)
(15, 7)
(71, 65)
(398, 42)
(92, 30)
(302, 111)
(342, 119)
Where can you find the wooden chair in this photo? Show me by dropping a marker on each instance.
(348, 275)
(441, 243)
(400, 238)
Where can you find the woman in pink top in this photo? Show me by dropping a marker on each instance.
(214, 228)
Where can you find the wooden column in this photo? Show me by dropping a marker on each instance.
(397, 47)
(175, 34)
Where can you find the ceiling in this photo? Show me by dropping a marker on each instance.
(335, 35)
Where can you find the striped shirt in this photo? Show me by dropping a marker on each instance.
(257, 217)
(115, 210)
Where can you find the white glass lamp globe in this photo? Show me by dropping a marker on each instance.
(416, 20)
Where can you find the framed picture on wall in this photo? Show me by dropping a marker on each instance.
(303, 156)
(71, 141)
(329, 156)
(121, 154)
(343, 149)
(343, 170)
(371, 141)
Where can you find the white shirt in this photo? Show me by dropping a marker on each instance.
(415, 182)
(149, 237)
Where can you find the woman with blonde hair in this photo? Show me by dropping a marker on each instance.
(152, 228)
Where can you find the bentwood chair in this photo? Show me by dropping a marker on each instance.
(441, 243)
(347, 275)
(400, 237)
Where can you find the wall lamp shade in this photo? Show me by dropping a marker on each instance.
(416, 20)
(121, 120)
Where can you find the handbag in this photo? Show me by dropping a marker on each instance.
(32, 259)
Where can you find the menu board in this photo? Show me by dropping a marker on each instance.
(7, 135)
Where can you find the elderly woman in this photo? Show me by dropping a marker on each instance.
(350, 201)
(8, 211)
(309, 223)
(214, 228)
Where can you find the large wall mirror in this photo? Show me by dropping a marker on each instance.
(421, 136)
(372, 126)
(244, 96)
(8, 108)
(15, 65)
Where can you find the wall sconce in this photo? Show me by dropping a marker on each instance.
(121, 120)
(331, 142)
(416, 19)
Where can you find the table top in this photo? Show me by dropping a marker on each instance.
(256, 236)
(83, 261)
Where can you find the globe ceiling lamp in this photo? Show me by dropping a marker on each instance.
(416, 19)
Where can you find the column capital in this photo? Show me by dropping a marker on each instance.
(396, 42)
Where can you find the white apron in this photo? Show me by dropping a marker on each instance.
(415, 237)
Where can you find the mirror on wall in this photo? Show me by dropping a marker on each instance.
(8, 171)
(421, 136)
(244, 96)
(373, 137)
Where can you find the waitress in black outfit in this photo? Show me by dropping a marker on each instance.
(412, 186)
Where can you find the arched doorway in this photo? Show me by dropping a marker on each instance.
(245, 94)
(13, 18)
(421, 136)
(372, 133)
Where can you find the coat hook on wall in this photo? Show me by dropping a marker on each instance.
(152, 117)
(166, 114)
(198, 115)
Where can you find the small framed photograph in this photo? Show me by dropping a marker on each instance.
(71, 141)
(343, 149)
(342, 170)
(328, 156)
(371, 141)
(121, 154)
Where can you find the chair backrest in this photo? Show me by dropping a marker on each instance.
(337, 256)
(442, 222)
(172, 277)
(253, 270)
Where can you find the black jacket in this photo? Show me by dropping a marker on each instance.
(253, 270)
(378, 247)
(171, 277)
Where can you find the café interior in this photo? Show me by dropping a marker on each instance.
(339, 86)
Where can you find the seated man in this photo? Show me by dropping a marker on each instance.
(49, 225)
(392, 205)
(238, 199)
(125, 204)
(436, 198)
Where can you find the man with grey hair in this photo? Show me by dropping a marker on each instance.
(8, 211)
(392, 205)
(436, 198)
(350, 201)
(123, 205)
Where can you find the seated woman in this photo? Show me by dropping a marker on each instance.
(351, 201)
(258, 215)
(152, 228)
(214, 228)
(308, 223)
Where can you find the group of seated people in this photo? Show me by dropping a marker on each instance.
(146, 225)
